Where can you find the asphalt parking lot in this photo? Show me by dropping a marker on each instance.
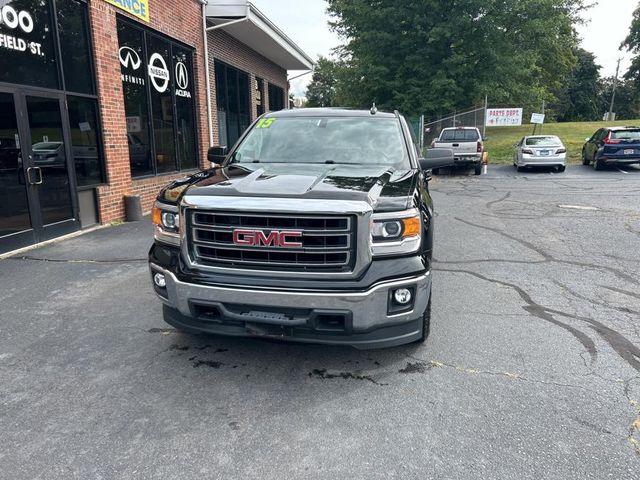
(532, 369)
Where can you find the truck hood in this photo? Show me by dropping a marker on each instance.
(383, 188)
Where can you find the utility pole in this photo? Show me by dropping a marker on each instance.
(615, 86)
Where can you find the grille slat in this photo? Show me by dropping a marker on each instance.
(328, 243)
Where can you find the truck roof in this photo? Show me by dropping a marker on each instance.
(327, 112)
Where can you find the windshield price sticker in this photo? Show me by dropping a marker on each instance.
(265, 123)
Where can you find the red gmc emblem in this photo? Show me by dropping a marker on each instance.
(257, 238)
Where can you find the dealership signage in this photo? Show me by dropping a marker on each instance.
(137, 8)
(537, 118)
(182, 80)
(503, 117)
(131, 63)
(17, 23)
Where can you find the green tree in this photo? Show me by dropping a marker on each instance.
(434, 56)
(322, 89)
(632, 44)
(627, 106)
(582, 95)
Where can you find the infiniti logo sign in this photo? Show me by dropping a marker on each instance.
(129, 58)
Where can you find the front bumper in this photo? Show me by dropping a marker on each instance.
(363, 319)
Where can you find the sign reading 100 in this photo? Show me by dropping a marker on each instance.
(17, 21)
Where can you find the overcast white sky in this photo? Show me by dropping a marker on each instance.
(305, 22)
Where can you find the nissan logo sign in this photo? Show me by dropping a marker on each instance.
(158, 72)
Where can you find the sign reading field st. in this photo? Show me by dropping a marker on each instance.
(137, 8)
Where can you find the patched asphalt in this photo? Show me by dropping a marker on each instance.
(532, 369)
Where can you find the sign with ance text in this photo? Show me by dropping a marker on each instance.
(137, 8)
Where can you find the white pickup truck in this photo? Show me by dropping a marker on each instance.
(467, 145)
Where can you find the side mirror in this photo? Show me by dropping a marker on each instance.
(437, 158)
(217, 155)
(587, 139)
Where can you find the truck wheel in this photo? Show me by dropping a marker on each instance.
(426, 322)
(478, 169)
(520, 169)
(562, 168)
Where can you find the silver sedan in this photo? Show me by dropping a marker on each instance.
(540, 151)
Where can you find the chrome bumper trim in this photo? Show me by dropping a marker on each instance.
(369, 308)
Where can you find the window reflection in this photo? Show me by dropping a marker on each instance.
(87, 157)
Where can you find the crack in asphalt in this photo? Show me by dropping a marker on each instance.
(550, 258)
(623, 292)
(536, 310)
(620, 344)
(422, 366)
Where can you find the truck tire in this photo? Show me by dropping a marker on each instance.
(478, 169)
(426, 322)
(562, 168)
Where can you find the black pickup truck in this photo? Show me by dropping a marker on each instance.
(316, 227)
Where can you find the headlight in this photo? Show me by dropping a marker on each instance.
(167, 221)
(396, 233)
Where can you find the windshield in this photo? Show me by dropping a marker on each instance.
(546, 141)
(460, 135)
(626, 135)
(325, 140)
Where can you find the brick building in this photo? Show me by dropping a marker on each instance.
(105, 98)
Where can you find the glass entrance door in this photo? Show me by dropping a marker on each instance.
(37, 190)
(16, 228)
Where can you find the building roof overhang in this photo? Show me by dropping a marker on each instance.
(243, 21)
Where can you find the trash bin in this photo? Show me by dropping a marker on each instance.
(132, 208)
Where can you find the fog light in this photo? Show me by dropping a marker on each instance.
(159, 280)
(402, 296)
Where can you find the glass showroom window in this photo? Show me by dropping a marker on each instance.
(157, 81)
(234, 101)
(276, 98)
(85, 137)
(73, 24)
(27, 47)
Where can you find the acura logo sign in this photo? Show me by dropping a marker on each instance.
(129, 58)
(182, 76)
(158, 72)
(257, 238)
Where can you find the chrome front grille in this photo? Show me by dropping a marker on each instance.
(328, 242)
